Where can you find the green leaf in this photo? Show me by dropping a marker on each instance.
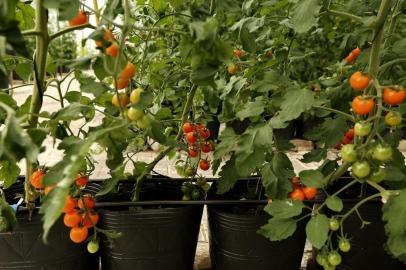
(73, 111)
(110, 184)
(317, 230)
(156, 132)
(228, 176)
(7, 100)
(295, 102)
(315, 155)
(313, 178)
(251, 109)
(24, 70)
(284, 208)
(330, 132)
(278, 229)
(334, 203)
(305, 15)
(9, 172)
(247, 40)
(394, 214)
(276, 188)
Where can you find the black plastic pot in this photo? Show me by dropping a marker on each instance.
(367, 243)
(152, 238)
(23, 248)
(235, 243)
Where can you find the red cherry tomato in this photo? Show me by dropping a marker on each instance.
(297, 195)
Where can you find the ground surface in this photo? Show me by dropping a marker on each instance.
(165, 167)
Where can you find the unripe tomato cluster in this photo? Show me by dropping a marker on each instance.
(196, 136)
(301, 192)
(194, 191)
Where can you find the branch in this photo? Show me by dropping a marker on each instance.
(383, 67)
(335, 111)
(70, 29)
(31, 32)
(150, 167)
(345, 14)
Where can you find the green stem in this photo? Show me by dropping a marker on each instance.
(383, 67)
(31, 32)
(358, 205)
(42, 41)
(345, 14)
(349, 116)
(150, 167)
(70, 29)
(337, 192)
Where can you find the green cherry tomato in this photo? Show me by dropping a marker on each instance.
(344, 245)
(329, 267)
(134, 114)
(185, 188)
(382, 153)
(393, 119)
(195, 194)
(321, 259)
(378, 176)
(93, 246)
(348, 153)
(334, 224)
(189, 171)
(334, 258)
(362, 129)
(144, 122)
(361, 169)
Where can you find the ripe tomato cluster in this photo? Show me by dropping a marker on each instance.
(301, 192)
(196, 136)
(347, 138)
(81, 18)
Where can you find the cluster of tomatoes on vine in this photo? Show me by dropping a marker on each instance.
(301, 192)
(79, 213)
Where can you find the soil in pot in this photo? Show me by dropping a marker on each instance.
(153, 238)
(235, 243)
(23, 248)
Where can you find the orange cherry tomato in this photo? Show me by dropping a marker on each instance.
(81, 180)
(204, 133)
(81, 18)
(362, 106)
(393, 97)
(70, 205)
(124, 100)
(191, 137)
(309, 192)
(204, 164)
(78, 234)
(72, 219)
(36, 179)
(359, 81)
(94, 219)
(350, 58)
(112, 50)
(187, 127)
(128, 71)
(356, 51)
(121, 83)
(297, 195)
(238, 53)
(193, 152)
(89, 202)
(232, 69)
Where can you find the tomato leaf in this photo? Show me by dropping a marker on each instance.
(334, 203)
(250, 109)
(228, 176)
(9, 172)
(275, 187)
(278, 229)
(315, 155)
(305, 15)
(312, 178)
(284, 208)
(394, 214)
(330, 132)
(67, 9)
(317, 230)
